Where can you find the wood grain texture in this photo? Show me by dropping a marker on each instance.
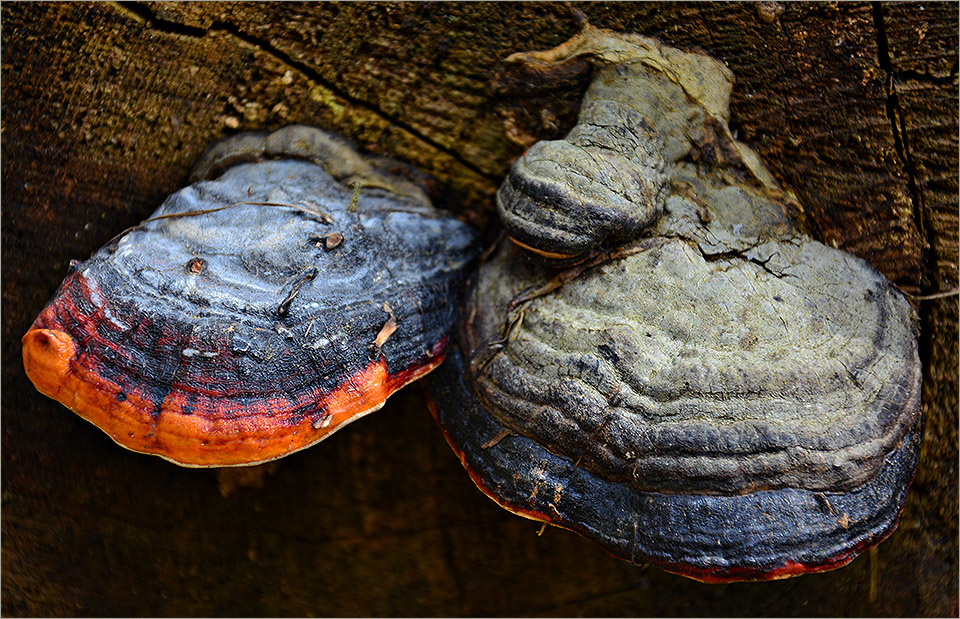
(106, 106)
(922, 44)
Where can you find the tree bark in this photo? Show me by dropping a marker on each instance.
(853, 106)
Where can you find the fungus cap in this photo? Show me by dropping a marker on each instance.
(717, 394)
(253, 315)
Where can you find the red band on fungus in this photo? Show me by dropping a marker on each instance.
(233, 437)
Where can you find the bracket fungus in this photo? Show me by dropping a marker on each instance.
(255, 314)
(687, 379)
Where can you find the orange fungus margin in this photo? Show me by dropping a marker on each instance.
(266, 432)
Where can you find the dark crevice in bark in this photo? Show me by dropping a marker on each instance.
(901, 143)
(928, 280)
(143, 13)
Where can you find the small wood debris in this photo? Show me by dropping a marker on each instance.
(388, 328)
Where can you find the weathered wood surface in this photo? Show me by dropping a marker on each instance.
(105, 106)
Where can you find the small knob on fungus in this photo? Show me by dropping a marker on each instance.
(599, 186)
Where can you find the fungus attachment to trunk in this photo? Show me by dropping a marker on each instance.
(714, 393)
(244, 320)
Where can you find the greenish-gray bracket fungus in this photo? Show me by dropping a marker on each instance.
(660, 360)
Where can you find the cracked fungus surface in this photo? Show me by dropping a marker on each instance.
(674, 372)
(659, 359)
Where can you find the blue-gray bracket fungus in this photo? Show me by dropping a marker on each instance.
(705, 388)
(256, 313)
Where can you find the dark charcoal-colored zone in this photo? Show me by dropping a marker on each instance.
(212, 328)
(763, 534)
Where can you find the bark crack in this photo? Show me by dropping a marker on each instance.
(143, 14)
(928, 280)
(901, 142)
